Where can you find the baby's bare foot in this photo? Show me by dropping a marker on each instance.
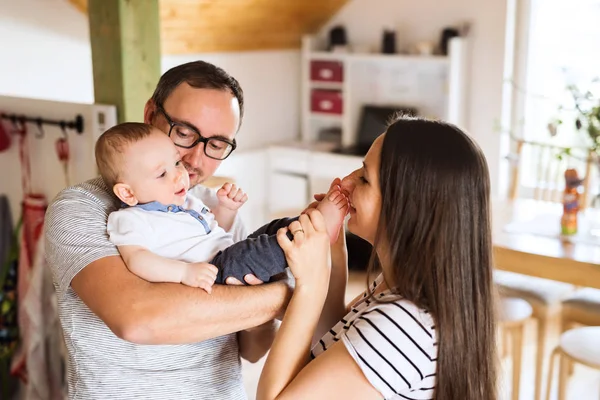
(334, 208)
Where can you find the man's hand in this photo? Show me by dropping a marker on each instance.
(250, 280)
(231, 197)
(200, 275)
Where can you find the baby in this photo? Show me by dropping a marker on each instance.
(166, 234)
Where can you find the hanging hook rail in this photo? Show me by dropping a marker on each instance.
(75, 124)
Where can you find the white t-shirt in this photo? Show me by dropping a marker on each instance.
(392, 341)
(188, 233)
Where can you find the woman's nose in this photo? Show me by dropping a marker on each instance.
(348, 183)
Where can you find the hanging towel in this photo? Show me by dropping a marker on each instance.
(43, 337)
(30, 362)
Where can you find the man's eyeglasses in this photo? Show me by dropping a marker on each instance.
(186, 136)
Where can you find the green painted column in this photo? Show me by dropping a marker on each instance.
(125, 41)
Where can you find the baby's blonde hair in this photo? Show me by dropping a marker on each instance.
(112, 144)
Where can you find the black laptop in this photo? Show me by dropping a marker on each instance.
(373, 122)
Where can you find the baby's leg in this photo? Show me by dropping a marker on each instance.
(334, 208)
(272, 227)
(260, 256)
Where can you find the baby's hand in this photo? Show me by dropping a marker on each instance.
(201, 275)
(231, 197)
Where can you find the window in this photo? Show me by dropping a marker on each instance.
(562, 49)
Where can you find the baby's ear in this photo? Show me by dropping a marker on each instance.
(125, 194)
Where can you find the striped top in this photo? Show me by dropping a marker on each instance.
(100, 365)
(392, 341)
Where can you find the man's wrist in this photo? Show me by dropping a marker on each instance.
(287, 285)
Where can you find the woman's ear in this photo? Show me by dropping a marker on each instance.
(125, 194)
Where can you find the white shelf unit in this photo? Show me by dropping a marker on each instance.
(435, 85)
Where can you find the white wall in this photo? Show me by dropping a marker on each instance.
(271, 84)
(424, 20)
(45, 51)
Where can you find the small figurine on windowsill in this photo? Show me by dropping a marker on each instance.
(571, 196)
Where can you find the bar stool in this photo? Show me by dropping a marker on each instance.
(514, 314)
(545, 297)
(581, 308)
(581, 345)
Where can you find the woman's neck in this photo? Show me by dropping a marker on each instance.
(385, 262)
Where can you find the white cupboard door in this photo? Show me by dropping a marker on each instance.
(288, 194)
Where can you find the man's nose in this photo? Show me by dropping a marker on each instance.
(194, 156)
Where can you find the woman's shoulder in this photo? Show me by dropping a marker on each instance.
(392, 314)
(394, 343)
(396, 310)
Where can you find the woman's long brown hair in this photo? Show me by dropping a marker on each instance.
(435, 225)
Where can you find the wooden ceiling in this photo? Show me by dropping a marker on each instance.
(200, 26)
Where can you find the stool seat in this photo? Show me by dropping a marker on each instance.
(514, 309)
(540, 290)
(582, 344)
(587, 299)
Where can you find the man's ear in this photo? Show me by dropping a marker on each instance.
(149, 112)
(125, 194)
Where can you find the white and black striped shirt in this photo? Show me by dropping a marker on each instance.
(392, 341)
(102, 366)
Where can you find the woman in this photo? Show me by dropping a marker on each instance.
(425, 328)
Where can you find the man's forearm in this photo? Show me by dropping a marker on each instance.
(169, 313)
(183, 317)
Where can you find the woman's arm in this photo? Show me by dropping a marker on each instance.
(308, 259)
(335, 305)
(332, 375)
(287, 372)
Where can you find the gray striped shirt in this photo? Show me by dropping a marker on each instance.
(102, 366)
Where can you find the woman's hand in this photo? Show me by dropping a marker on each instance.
(308, 255)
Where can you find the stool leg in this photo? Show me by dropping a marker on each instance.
(563, 376)
(540, 349)
(567, 326)
(504, 343)
(552, 362)
(517, 353)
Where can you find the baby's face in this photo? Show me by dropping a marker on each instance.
(153, 169)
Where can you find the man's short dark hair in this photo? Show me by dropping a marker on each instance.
(200, 75)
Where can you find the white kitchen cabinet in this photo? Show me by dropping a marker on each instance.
(298, 171)
(288, 194)
(325, 167)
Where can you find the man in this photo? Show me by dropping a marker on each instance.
(110, 316)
